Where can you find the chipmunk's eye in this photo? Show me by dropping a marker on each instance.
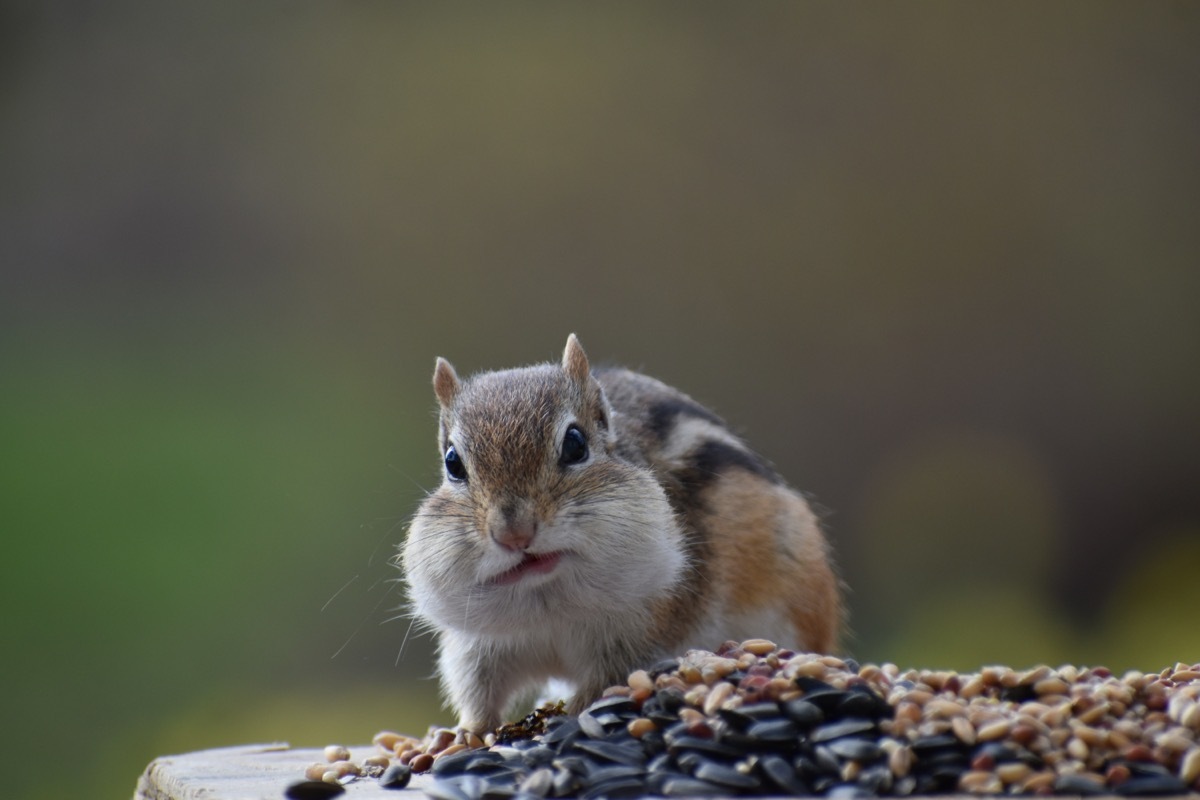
(574, 446)
(455, 469)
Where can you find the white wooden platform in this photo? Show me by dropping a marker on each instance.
(251, 772)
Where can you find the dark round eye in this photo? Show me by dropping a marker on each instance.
(454, 465)
(574, 446)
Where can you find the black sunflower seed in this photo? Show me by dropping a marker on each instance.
(774, 731)
(689, 761)
(1147, 769)
(456, 762)
(577, 764)
(877, 779)
(847, 791)
(591, 726)
(537, 757)
(722, 775)
(616, 789)
(924, 745)
(744, 716)
(396, 776)
(565, 782)
(493, 790)
(656, 780)
(826, 762)
(781, 774)
(1018, 694)
(803, 713)
(630, 754)
(561, 730)
(313, 790)
(813, 684)
(1152, 785)
(827, 700)
(761, 710)
(1078, 785)
(616, 704)
(539, 782)
(836, 730)
(690, 787)
(612, 772)
(944, 778)
(856, 749)
(707, 747)
(862, 702)
(448, 790)
(670, 699)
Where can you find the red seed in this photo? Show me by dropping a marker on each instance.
(1024, 734)
(1138, 752)
(983, 763)
(1117, 774)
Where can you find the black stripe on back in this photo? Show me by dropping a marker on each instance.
(713, 458)
(662, 416)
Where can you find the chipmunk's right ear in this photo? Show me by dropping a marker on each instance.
(445, 382)
(575, 362)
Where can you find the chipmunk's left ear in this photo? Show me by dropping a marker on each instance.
(574, 361)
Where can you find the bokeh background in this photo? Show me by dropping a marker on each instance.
(937, 261)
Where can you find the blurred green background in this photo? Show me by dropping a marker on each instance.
(937, 261)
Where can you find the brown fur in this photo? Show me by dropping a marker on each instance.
(753, 542)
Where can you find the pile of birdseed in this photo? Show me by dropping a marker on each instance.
(752, 719)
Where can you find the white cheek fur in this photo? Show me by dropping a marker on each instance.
(439, 555)
(618, 554)
(625, 553)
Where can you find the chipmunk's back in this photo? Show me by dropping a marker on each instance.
(760, 565)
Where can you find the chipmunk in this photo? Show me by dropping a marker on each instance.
(591, 522)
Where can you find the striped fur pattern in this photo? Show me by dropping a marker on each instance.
(670, 533)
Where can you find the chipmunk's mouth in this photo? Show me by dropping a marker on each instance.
(532, 564)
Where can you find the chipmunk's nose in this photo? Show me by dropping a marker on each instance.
(512, 529)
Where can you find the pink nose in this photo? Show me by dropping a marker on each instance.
(514, 537)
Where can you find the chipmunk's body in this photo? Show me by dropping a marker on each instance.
(593, 522)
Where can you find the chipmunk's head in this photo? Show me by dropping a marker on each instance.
(535, 513)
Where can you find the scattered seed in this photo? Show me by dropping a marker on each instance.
(980, 783)
(1013, 773)
(963, 729)
(1189, 767)
(759, 647)
(640, 726)
(395, 777)
(1077, 749)
(641, 680)
(335, 752)
(453, 749)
